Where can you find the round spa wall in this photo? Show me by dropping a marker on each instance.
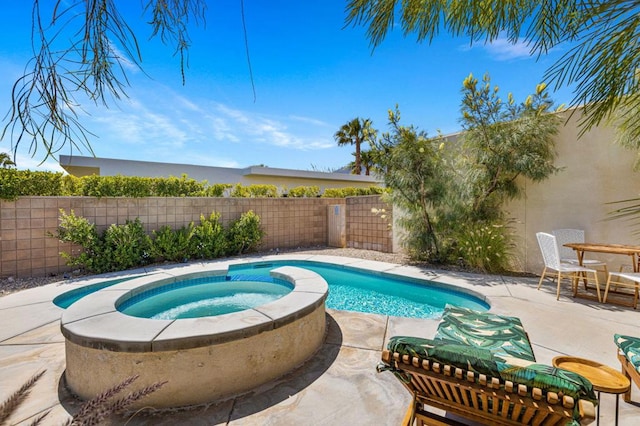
(228, 351)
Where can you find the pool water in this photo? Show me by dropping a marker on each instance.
(70, 297)
(353, 290)
(350, 289)
(203, 297)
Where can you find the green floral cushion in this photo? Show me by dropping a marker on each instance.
(479, 360)
(503, 335)
(485, 361)
(630, 347)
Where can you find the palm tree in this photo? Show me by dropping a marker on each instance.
(5, 160)
(356, 132)
(367, 158)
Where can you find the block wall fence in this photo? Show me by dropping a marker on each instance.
(26, 250)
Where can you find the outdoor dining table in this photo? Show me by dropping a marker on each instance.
(625, 249)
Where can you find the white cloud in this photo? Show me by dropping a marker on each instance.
(26, 162)
(156, 124)
(501, 49)
(248, 128)
(309, 120)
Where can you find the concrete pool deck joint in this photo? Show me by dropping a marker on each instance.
(203, 359)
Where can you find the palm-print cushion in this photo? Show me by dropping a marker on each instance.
(470, 358)
(503, 335)
(485, 361)
(630, 347)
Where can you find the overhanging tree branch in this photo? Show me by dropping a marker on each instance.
(82, 54)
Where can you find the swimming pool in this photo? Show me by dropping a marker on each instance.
(70, 297)
(206, 296)
(352, 289)
(213, 357)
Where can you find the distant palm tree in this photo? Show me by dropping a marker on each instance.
(366, 157)
(5, 160)
(356, 132)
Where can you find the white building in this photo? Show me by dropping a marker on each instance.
(282, 178)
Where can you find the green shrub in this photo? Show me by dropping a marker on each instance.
(98, 186)
(125, 246)
(254, 191)
(245, 234)
(183, 186)
(352, 192)
(172, 245)
(485, 246)
(208, 240)
(217, 190)
(304, 191)
(71, 185)
(119, 247)
(77, 230)
(15, 183)
(9, 184)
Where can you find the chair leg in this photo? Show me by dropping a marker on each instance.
(544, 272)
(408, 416)
(585, 280)
(606, 290)
(559, 281)
(575, 282)
(595, 275)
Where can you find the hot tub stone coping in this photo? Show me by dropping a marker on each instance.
(94, 321)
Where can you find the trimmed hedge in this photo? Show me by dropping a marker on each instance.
(15, 183)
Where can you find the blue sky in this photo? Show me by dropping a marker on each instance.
(311, 76)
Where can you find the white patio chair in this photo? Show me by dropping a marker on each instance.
(551, 256)
(568, 255)
(634, 277)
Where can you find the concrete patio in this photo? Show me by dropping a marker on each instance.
(339, 385)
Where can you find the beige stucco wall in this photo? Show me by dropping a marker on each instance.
(595, 172)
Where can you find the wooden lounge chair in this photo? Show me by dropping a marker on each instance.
(629, 357)
(481, 367)
(479, 398)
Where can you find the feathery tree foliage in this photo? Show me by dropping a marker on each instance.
(503, 141)
(81, 51)
(452, 190)
(601, 64)
(413, 168)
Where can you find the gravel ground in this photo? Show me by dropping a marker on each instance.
(11, 284)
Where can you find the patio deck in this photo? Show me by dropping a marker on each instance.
(339, 385)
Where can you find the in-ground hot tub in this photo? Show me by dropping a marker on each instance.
(202, 359)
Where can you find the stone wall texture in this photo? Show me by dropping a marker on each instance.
(27, 250)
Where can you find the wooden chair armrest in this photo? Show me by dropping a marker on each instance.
(587, 411)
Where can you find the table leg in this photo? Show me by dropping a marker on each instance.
(580, 260)
(617, 399)
(598, 411)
